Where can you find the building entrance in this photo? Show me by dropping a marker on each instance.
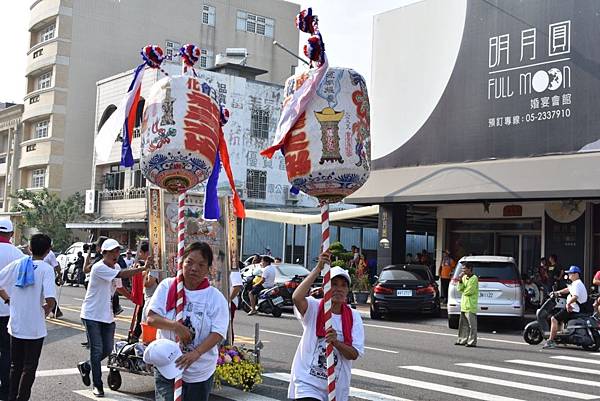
(518, 238)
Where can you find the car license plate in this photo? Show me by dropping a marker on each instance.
(486, 294)
(404, 293)
(277, 300)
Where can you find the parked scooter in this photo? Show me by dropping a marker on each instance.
(269, 300)
(583, 330)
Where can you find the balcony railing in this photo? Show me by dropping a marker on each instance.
(119, 194)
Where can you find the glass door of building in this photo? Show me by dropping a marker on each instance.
(508, 245)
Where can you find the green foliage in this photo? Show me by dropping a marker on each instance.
(339, 263)
(361, 284)
(336, 248)
(48, 214)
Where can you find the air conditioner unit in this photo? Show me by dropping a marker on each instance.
(236, 52)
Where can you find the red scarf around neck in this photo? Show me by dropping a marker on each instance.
(4, 240)
(347, 322)
(172, 295)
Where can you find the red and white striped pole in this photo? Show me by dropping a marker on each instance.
(178, 387)
(327, 299)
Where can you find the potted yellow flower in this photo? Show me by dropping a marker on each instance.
(237, 367)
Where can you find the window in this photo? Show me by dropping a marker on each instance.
(115, 179)
(256, 184)
(259, 124)
(41, 129)
(44, 81)
(206, 59)
(171, 50)
(139, 181)
(38, 178)
(255, 24)
(47, 33)
(208, 15)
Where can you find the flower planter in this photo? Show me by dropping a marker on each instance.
(237, 367)
(361, 297)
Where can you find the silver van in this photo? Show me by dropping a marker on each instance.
(500, 288)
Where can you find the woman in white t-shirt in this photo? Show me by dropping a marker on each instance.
(309, 368)
(205, 321)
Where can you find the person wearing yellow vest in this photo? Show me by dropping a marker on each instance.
(446, 271)
(468, 286)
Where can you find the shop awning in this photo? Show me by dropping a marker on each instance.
(546, 177)
(358, 217)
(125, 224)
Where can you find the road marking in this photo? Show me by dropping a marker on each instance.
(123, 318)
(554, 366)
(111, 396)
(297, 336)
(526, 373)
(79, 327)
(443, 334)
(576, 359)
(382, 350)
(456, 391)
(354, 392)
(61, 372)
(500, 382)
(280, 333)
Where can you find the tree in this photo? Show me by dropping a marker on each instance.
(48, 214)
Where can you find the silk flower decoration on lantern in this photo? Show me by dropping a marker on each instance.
(123, 118)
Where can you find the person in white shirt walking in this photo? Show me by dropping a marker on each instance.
(31, 295)
(308, 380)
(51, 260)
(267, 280)
(235, 287)
(97, 314)
(8, 254)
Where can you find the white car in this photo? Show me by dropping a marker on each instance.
(70, 255)
(500, 288)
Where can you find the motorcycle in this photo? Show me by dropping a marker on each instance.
(269, 300)
(583, 330)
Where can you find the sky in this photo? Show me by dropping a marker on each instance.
(346, 27)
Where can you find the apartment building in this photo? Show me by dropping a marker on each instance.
(10, 135)
(76, 43)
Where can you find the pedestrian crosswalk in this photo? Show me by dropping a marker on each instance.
(542, 377)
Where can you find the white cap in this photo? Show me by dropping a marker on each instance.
(109, 244)
(162, 354)
(339, 271)
(6, 226)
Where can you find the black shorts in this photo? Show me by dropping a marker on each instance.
(564, 316)
(257, 289)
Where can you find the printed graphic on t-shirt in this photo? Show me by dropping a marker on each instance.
(318, 365)
(193, 318)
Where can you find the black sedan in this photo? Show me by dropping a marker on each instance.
(405, 288)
